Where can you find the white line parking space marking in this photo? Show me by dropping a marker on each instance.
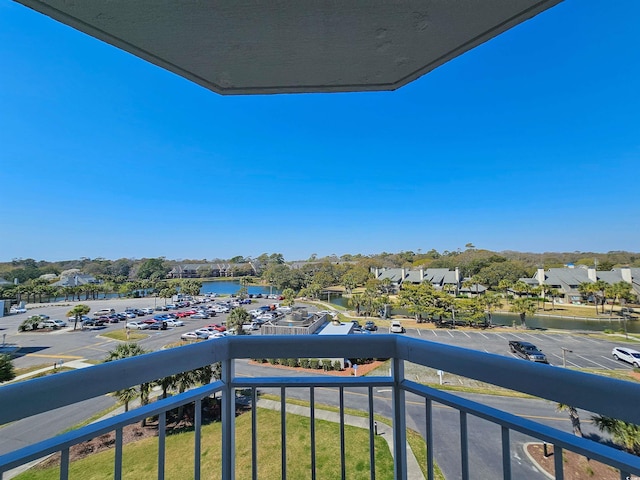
(449, 332)
(480, 333)
(619, 363)
(587, 339)
(504, 338)
(419, 332)
(568, 361)
(469, 336)
(589, 360)
(552, 337)
(434, 332)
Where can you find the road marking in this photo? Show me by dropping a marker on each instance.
(504, 338)
(483, 335)
(589, 360)
(469, 336)
(434, 332)
(42, 355)
(617, 362)
(419, 332)
(568, 361)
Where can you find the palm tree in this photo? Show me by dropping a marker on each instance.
(553, 293)
(237, 318)
(77, 312)
(126, 350)
(355, 301)
(523, 307)
(491, 301)
(573, 416)
(623, 433)
(615, 292)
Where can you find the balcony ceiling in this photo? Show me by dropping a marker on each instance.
(248, 47)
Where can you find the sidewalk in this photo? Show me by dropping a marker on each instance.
(413, 468)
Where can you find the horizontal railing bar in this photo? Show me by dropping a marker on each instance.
(586, 391)
(583, 446)
(24, 399)
(68, 439)
(301, 382)
(569, 387)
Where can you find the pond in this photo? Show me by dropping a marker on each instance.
(536, 321)
(227, 287)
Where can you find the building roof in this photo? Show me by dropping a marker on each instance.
(235, 47)
(75, 280)
(336, 329)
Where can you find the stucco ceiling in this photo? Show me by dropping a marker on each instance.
(253, 47)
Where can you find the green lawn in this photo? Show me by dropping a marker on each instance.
(139, 459)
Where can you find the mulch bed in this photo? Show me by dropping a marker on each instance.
(347, 372)
(575, 467)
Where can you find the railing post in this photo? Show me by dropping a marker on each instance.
(399, 421)
(228, 420)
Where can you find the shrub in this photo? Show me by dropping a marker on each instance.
(314, 363)
(293, 362)
(6, 368)
(273, 361)
(305, 363)
(337, 366)
(283, 361)
(326, 365)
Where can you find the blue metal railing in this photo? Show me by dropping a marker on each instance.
(596, 394)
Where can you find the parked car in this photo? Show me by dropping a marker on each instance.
(104, 312)
(94, 322)
(158, 325)
(284, 309)
(215, 326)
(200, 316)
(627, 355)
(371, 326)
(137, 325)
(194, 336)
(147, 311)
(396, 327)
(17, 310)
(528, 351)
(174, 323)
(53, 324)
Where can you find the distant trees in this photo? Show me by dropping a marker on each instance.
(153, 268)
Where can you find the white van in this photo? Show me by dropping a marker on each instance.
(104, 311)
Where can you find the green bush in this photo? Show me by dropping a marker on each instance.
(305, 363)
(314, 363)
(30, 323)
(293, 362)
(326, 365)
(273, 361)
(283, 361)
(337, 366)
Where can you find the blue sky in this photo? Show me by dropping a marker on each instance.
(529, 142)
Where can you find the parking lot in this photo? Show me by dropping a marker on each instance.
(43, 347)
(580, 351)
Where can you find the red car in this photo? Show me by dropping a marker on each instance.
(182, 314)
(219, 328)
(190, 312)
